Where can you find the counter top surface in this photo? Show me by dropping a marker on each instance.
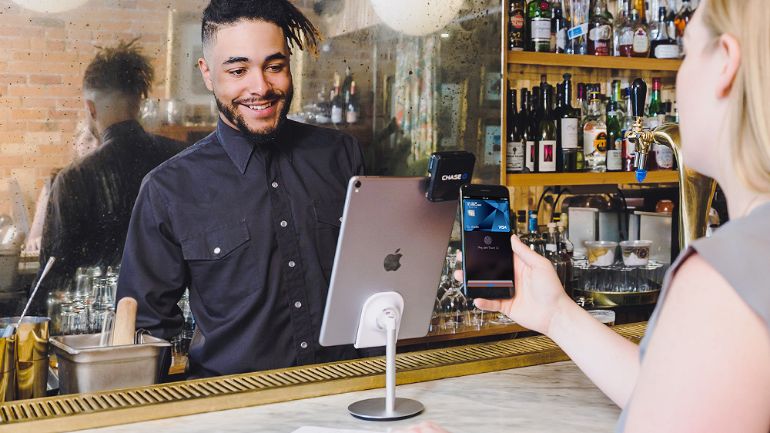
(549, 398)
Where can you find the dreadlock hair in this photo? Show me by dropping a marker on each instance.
(285, 15)
(122, 68)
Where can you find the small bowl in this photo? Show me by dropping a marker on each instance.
(636, 253)
(600, 253)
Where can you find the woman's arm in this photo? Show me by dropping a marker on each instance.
(542, 305)
(707, 367)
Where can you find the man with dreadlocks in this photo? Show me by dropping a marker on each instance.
(248, 217)
(91, 200)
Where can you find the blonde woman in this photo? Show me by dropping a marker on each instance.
(704, 365)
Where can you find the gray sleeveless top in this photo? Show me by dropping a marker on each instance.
(739, 251)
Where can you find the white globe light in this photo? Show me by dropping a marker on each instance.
(417, 17)
(50, 6)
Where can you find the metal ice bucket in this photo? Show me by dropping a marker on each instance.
(31, 355)
(7, 369)
(86, 367)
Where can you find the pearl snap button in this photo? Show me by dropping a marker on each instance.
(217, 250)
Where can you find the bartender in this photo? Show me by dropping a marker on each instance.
(248, 217)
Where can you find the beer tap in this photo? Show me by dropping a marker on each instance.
(696, 191)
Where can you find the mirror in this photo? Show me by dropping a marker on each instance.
(413, 95)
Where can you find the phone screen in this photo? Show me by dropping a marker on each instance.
(487, 255)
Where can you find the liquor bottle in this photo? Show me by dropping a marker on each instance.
(539, 20)
(621, 19)
(547, 143)
(600, 30)
(567, 128)
(347, 82)
(518, 17)
(522, 126)
(640, 45)
(553, 255)
(626, 35)
(521, 223)
(337, 102)
(531, 233)
(614, 135)
(353, 110)
(595, 136)
(533, 127)
(655, 107)
(577, 34)
(671, 21)
(582, 108)
(681, 20)
(558, 28)
(664, 46)
(515, 150)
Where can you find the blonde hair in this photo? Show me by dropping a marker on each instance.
(747, 21)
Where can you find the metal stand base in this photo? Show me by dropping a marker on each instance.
(374, 409)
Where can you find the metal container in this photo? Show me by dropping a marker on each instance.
(86, 367)
(31, 355)
(7, 369)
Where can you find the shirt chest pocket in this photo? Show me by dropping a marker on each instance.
(216, 244)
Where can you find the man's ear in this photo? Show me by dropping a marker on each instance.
(91, 107)
(205, 73)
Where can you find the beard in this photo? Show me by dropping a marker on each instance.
(266, 137)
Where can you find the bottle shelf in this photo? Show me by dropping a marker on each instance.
(607, 178)
(583, 61)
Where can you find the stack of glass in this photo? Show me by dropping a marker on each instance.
(83, 307)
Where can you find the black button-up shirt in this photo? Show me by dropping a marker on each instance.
(91, 200)
(252, 233)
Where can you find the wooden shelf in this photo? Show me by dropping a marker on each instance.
(578, 61)
(609, 178)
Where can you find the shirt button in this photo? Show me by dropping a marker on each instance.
(298, 304)
(274, 184)
(217, 250)
(284, 223)
(303, 345)
(292, 264)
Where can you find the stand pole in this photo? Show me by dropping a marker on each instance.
(390, 366)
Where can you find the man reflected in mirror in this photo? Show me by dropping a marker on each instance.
(90, 203)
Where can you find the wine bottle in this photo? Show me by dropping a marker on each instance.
(567, 128)
(547, 143)
(352, 113)
(518, 18)
(515, 149)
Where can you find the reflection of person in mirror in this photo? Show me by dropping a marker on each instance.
(90, 203)
(704, 363)
(248, 217)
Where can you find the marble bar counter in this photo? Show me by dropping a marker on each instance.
(551, 398)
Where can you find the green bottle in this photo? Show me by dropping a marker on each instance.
(539, 20)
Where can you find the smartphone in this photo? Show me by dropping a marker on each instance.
(486, 239)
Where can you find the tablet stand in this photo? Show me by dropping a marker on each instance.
(378, 326)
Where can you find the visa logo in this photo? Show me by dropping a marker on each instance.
(502, 227)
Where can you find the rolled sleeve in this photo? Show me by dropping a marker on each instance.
(153, 270)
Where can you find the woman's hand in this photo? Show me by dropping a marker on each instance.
(423, 427)
(539, 293)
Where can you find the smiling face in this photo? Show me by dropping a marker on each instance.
(246, 66)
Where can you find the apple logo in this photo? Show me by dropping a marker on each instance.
(393, 261)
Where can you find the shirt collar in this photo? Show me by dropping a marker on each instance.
(127, 127)
(237, 147)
